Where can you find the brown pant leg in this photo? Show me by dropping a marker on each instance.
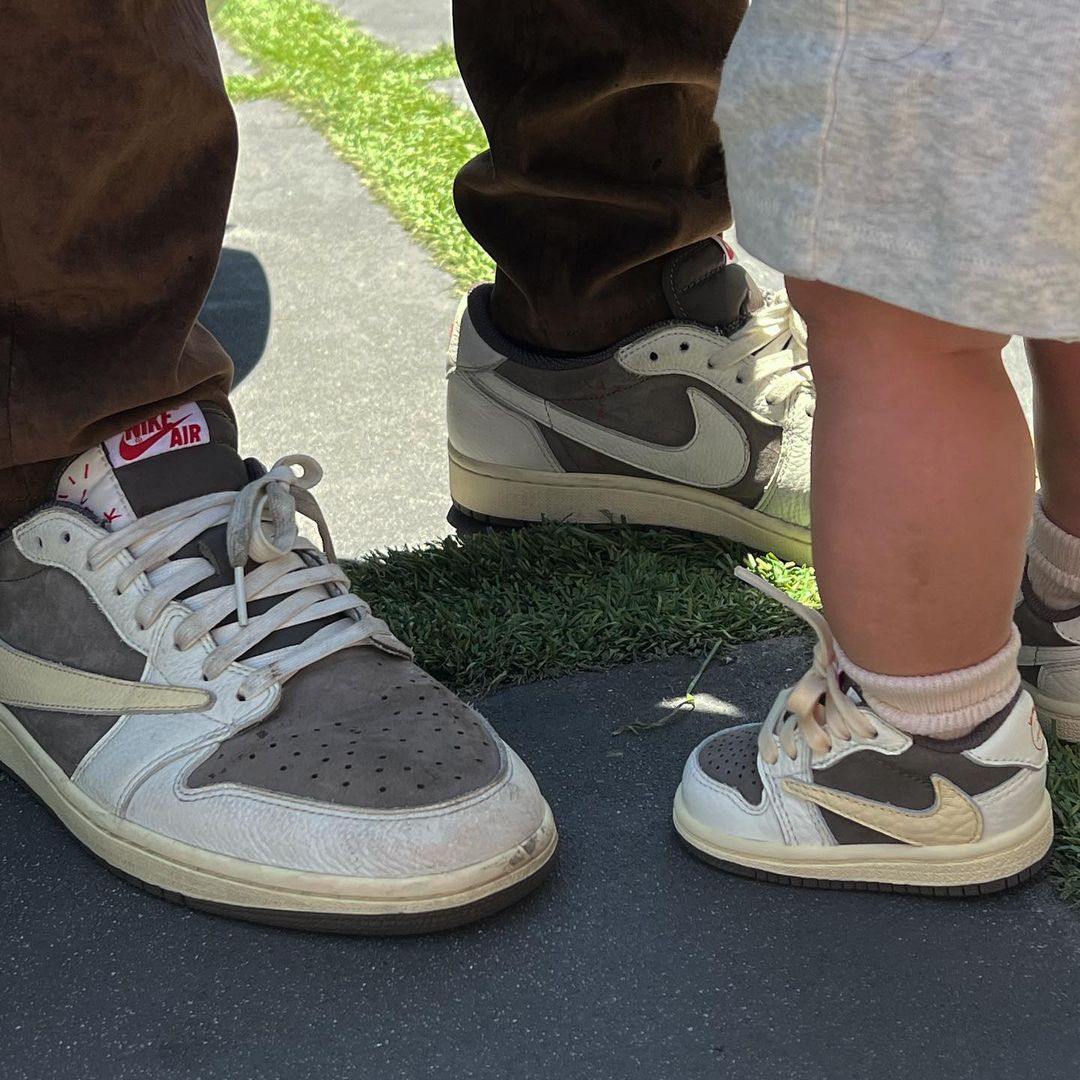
(117, 152)
(604, 155)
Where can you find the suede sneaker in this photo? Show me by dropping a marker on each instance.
(702, 422)
(827, 793)
(1050, 662)
(192, 689)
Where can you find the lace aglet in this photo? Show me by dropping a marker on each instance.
(241, 596)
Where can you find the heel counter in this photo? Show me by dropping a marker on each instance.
(487, 431)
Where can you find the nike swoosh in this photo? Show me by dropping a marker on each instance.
(717, 456)
(953, 818)
(134, 451)
(34, 683)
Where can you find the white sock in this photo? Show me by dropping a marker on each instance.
(941, 706)
(1053, 563)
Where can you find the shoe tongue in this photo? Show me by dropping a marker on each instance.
(177, 455)
(703, 284)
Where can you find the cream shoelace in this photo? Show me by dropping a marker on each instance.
(776, 336)
(261, 527)
(817, 709)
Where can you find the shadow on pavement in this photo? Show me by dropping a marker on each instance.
(237, 309)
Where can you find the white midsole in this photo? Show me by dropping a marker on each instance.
(992, 859)
(1059, 717)
(203, 875)
(601, 498)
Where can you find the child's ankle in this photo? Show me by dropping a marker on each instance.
(944, 706)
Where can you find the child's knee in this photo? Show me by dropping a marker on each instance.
(849, 329)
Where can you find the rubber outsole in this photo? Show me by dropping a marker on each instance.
(981, 889)
(428, 922)
(380, 925)
(499, 495)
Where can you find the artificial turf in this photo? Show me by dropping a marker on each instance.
(511, 607)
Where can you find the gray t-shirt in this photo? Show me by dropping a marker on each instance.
(926, 152)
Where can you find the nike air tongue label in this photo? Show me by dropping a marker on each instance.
(176, 429)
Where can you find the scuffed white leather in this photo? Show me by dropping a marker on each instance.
(293, 833)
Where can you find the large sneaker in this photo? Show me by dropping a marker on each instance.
(1050, 662)
(702, 422)
(191, 688)
(826, 793)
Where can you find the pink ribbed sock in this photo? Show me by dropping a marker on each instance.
(941, 706)
(1053, 562)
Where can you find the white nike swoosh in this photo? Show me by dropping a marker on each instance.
(717, 456)
(33, 683)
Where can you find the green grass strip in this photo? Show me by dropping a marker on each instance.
(504, 608)
(374, 106)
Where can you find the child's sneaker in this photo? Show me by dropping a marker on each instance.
(1050, 662)
(826, 793)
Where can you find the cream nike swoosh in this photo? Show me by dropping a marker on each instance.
(33, 683)
(717, 456)
(953, 818)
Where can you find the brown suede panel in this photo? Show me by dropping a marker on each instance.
(366, 729)
(903, 780)
(730, 758)
(604, 157)
(50, 615)
(45, 612)
(66, 737)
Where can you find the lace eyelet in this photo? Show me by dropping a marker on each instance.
(654, 356)
(40, 542)
(739, 379)
(66, 537)
(240, 697)
(684, 346)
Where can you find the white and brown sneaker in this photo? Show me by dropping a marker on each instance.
(827, 793)
(192, 689)
(1050, 662)
(702, 422)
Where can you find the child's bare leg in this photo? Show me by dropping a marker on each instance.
(1054, 553)
(922, 484)
(1055, 372)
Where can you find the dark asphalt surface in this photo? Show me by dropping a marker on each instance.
(635, 962)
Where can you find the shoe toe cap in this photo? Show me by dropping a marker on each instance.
(722, 794)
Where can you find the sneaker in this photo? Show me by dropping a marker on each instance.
(191, 688)
(826, 793)
(702, 422)
(1050, 662)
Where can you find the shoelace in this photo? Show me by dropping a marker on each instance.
(776, 337)
(817, 709)
(261, 527)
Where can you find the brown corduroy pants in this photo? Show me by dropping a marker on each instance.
(117, 154)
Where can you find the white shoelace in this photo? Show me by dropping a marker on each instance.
(817, 709)
(261, 527)
(776, 336)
